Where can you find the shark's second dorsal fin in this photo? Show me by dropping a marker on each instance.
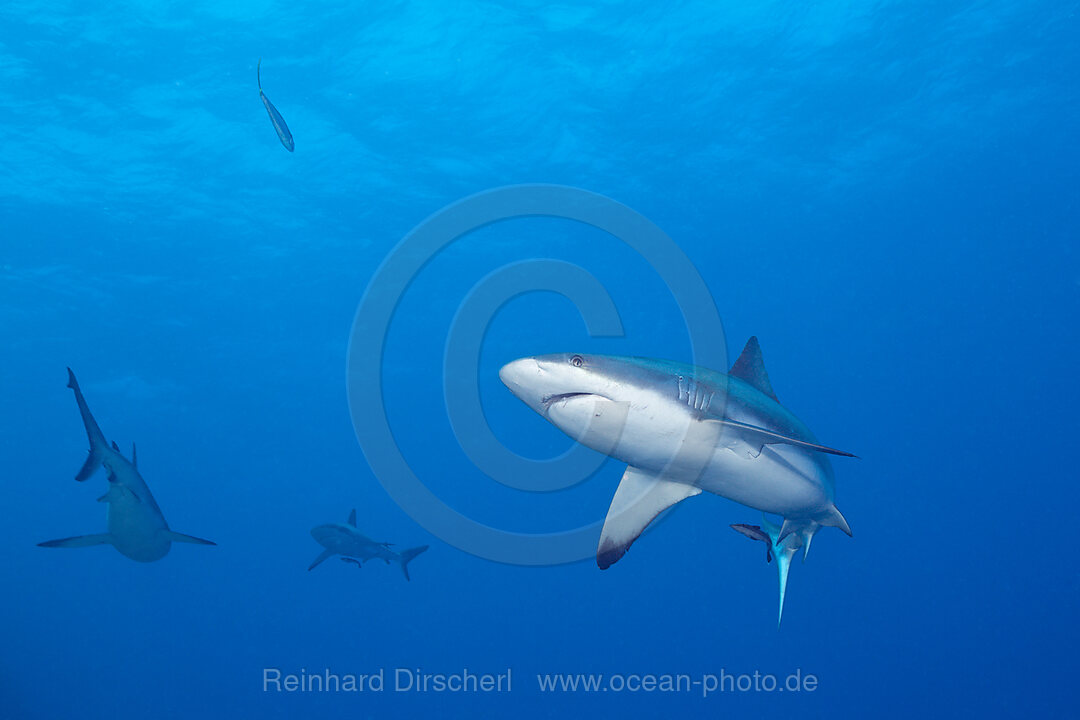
(750, 368)
(352, 517)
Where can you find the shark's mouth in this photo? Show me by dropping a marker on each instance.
(550, 400)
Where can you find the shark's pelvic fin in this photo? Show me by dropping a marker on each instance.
(750, 368)
(98, 445)
(322, 556)
(352, 517)
(117, 491)
(407, 557)
(834, 519)
(79, 541)
(641, 496)
(174, 536)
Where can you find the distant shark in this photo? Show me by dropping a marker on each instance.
(683, 429)
(339, 539)
(137, 527)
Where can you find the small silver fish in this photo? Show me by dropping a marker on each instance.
(275, 117)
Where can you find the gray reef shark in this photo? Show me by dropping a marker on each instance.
(682, 429)
(346, 540)
(136, 525)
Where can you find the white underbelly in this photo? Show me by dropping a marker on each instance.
(664, 438)
(783, 480)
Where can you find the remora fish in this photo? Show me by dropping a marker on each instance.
(682, 429)
(339, 539)
(137, 528)
(275, 117)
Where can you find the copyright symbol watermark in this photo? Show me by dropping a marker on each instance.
(376, 313)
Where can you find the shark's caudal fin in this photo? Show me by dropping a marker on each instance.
(784, 552)
(98, 445)
(407, 557)
(79, 541)
(799, 535)
(641, 496)
(182, 538)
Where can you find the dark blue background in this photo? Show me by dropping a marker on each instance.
(885, 195)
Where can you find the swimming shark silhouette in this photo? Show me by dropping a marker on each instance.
(137, 528)
(683, 429)
(345, 539)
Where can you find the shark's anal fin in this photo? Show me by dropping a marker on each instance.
(79, 541)
(640, 498)
(757, 437)
(322, 556)
(173, 536)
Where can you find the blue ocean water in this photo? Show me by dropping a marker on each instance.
(885, 194)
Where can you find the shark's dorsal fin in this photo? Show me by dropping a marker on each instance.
(750, 368)
(134, 457)
(641, 496)
(115, 446)
(352, 517)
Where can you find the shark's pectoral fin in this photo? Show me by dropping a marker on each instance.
(640, 498)
(182, 538)
(322, 556)
(79, 541)
(752, 438)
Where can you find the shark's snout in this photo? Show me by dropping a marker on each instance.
(520, 375)
(525, 378)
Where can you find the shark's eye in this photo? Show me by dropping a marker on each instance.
(577, 360)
